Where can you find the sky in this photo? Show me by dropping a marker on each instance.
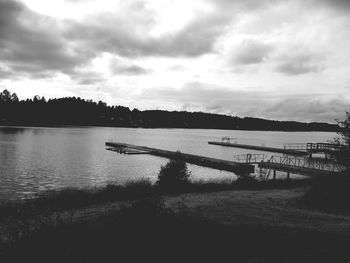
(274, 59)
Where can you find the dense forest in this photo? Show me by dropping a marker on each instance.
(76, 111)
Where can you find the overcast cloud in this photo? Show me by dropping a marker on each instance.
(278, 59)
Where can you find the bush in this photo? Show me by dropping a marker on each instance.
(329, 193)
(174, 174)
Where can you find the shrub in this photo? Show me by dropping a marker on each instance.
(174, 174)
(329, 193)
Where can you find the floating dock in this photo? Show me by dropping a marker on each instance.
(235, 167)
(261, 148)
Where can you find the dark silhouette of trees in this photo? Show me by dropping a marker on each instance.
(344, 141)
(76, 111)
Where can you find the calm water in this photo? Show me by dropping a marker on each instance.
(37, 159)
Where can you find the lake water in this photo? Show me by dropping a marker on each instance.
(37, 159)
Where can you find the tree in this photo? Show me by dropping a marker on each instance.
(5, 96)
(174, 174)
(344, 142)
(14, 97)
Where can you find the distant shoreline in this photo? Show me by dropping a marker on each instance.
(80, 112)
(6, 125)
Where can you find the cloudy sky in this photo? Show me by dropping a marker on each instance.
(276, 59)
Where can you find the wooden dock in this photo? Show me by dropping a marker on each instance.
(261, 148)
(235, 167)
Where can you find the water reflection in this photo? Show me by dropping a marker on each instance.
(11, 130)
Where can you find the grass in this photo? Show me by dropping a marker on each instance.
(71, 198)
(149, 232)
(330, 193)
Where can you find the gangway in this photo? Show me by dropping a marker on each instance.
(305, 166)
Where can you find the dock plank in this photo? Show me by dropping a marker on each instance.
(260, 148)
(219, 164)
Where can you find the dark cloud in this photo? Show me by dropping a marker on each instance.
(253, 5)
(5, 73)
(195, 39)
(338, 4)
(30, 43)
(120, 67)
(251, 52)
(87, 78)
(308, 108)
(271, 105)
(242, 5)
(210, 98)
(299, 64)
(127, 34)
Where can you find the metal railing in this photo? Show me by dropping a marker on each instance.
(249, 158)
(307, 163)
(295, 146)
(324, 146)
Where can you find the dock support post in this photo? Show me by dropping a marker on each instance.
(274, 174)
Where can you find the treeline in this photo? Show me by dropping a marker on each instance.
(76, 111)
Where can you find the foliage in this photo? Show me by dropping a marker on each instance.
(70, 198)
(77, 111)
(344, 140)
(329, 193)
(174, 174)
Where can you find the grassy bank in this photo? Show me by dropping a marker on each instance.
(71, 198)
(150, 232)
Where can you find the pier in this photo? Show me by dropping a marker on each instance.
(235, 167)
(262, 148)
(295, 149)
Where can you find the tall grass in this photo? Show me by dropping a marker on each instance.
(71, 198)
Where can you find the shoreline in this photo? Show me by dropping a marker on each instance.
(2, 125)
